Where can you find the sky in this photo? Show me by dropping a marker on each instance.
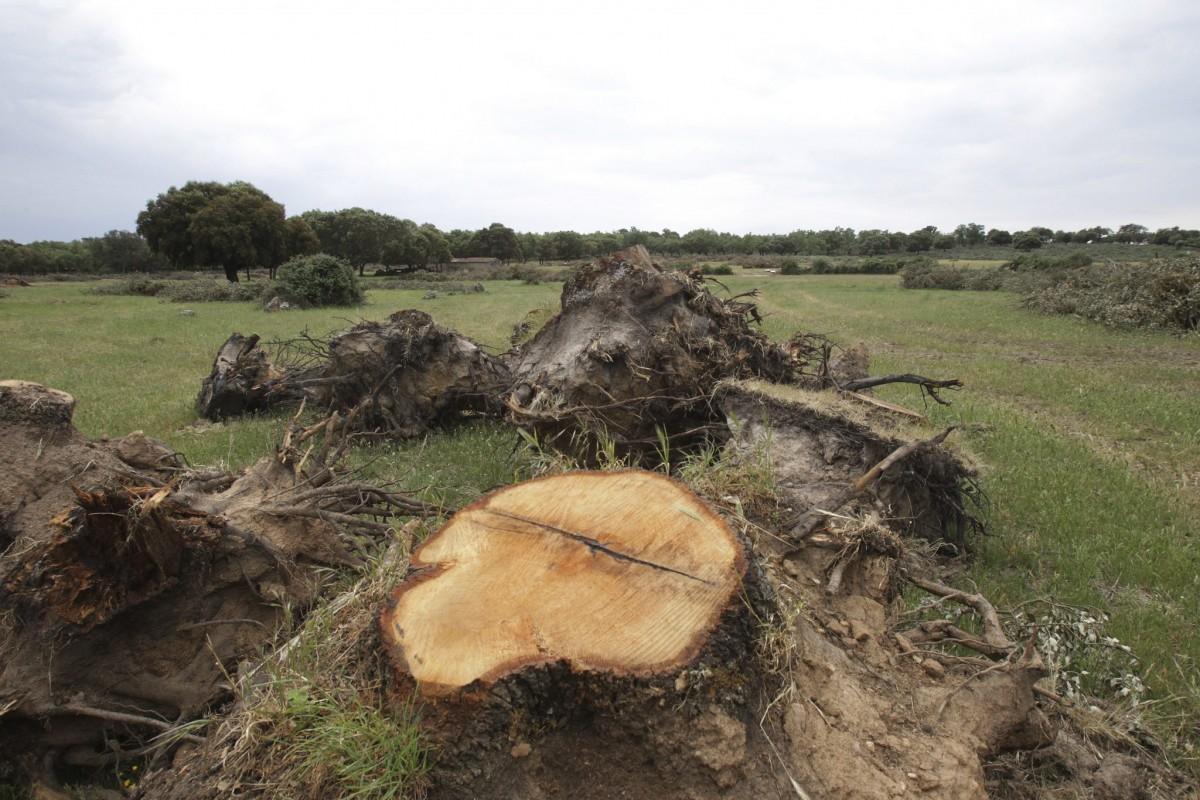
(745, 116)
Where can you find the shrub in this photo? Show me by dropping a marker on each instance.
(821, 266)
(319, 280)
(214, 291)
(139, 285)
(927, 274)
(1163, 295)
(791, 267)
(716, 269)
(445, 287)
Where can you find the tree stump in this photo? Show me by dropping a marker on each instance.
(625, 573)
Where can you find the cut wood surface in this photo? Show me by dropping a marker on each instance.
(626, 572)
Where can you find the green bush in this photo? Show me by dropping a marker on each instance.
(791, 267)
(821, 266)
(716, 269)
(319, 280)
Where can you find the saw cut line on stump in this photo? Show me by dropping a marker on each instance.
(622, 572)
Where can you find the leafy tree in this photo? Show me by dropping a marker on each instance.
(496, 240)
(569, 244)
(238, 230)
(1026, 241)
(1130, 233)
(921, 241)
(437, 246)
(944, 241)
(165, 222)
(999, 237)
(302, 240)
(970, 234)
(1045, 234)
(122, 251)
(233, 225)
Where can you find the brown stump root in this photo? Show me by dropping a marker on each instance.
(632, 356)
(402, 376)
(130, 587)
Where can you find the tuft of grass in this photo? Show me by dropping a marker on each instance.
(351, 750)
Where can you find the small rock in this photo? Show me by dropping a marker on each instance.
(521, 750)
(187, 312)
(681, 683)
(933, 668)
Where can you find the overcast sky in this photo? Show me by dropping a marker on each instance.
(737, 116)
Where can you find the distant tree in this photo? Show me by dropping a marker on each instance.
(1088, 235)
(1062, 237)
(496, 240)
(1128, 234)
(122, 251)
(944, 241)
(1026, 241)
(302, 240)
(240, 229)
(999, 237)
(874, 243)
(921, 241)
(436, 245)
(570, 245)
(970, 234)
(1045, 234)
(701, 241)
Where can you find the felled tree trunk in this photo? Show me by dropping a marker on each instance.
(130, 587)
(623, 573)
(606, 634)
(402, 376)
(632, 357)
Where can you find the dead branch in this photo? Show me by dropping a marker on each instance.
(928, 385)
(814, 518)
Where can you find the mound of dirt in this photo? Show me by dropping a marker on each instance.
(632, 357)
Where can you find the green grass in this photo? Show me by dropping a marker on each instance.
(1091, 436)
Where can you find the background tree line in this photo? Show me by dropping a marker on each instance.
(236, 226)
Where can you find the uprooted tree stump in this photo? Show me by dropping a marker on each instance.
(401, 375)
(625, 573)
(632, 357)
(130, 586)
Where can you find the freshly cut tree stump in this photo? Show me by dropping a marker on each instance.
(624, 572)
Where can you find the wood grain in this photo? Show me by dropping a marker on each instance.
(626, 572)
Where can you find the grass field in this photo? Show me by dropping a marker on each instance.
(1091, 437)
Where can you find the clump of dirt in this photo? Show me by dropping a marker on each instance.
(632, 357)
